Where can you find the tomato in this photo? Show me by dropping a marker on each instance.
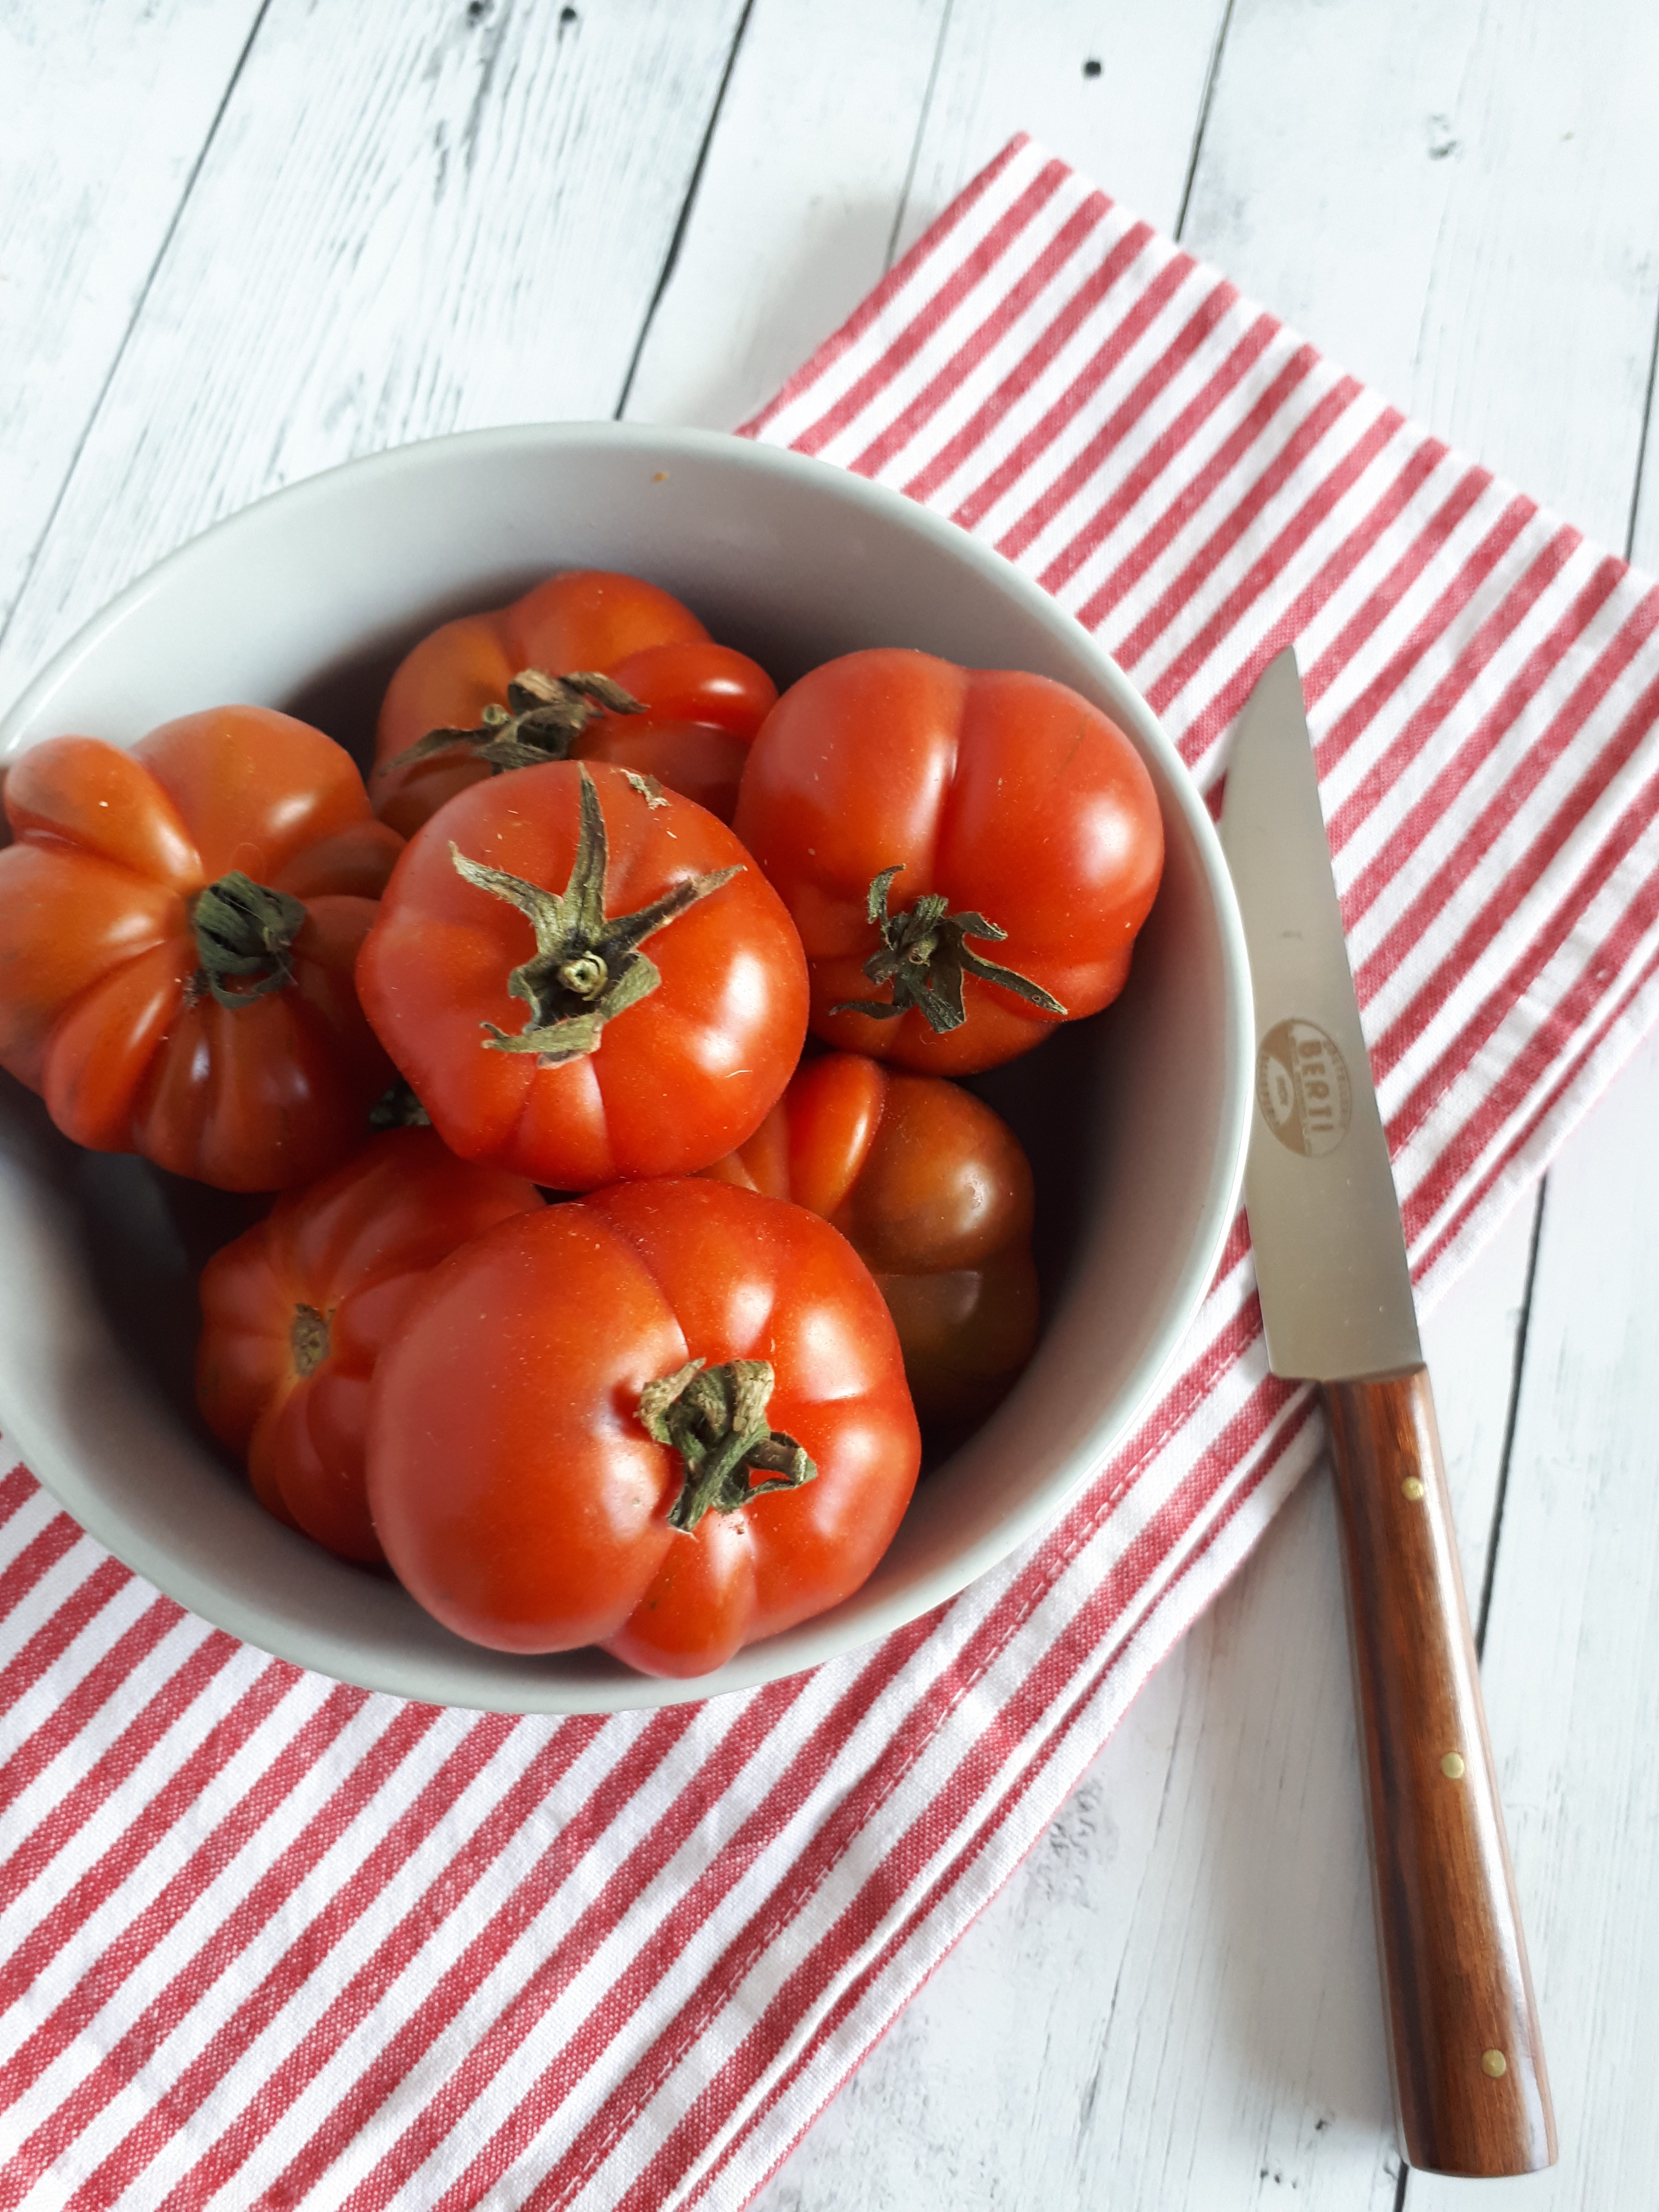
(932, 1191)
(506, 977)
(179, 925)
(968, 854)
(557, 1449)
(298, 1310)
(516, 687)
(701, 707)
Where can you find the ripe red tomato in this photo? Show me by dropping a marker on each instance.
(490, 691)
(968, 854)
(179, 925)
(507, 979)
(556, 1439)
(933, 1193)
(702, 707)
(297, 1312)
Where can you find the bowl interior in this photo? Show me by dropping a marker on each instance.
(1135, 1119)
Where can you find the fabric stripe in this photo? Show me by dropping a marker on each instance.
(1066, 243)
(898, 279)
(72, 1719)
(971, 274)
(1478, 839)
(1162, 528)
(1109, 357)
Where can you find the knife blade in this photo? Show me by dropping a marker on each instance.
(1471, 2094)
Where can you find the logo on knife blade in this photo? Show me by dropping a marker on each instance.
(1301, 1088)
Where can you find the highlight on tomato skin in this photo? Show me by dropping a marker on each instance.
(968, 854)
(518, 1470)
(178, 924)
(454, 713)
(584, 978)
(934, 1191)
(298, 1310)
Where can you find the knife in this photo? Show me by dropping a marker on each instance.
(1470, 2092)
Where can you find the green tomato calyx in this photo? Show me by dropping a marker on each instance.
(543, 718)
(924, 956)
(587, 967)
(244, 933)
(716, 1419)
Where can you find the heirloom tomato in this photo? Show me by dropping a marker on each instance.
(967, 852)
(296, 1312)
(506, 978)
(588, 666)
(669, 1418)
(933, 1193)
(178, 928)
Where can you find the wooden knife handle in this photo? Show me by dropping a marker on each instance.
(1471, 2095)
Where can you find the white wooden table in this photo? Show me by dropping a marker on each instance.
(242, 239)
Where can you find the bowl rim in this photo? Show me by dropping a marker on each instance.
(828, 1635)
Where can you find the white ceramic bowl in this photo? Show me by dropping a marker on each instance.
(306, 601)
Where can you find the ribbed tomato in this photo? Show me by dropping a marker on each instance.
(179, 925)
(967, 852)
(669, 1418)
(932, 1190)
(585, 978)
(590, 664)
(297, 1312)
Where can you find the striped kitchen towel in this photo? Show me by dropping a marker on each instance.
(271, 1940)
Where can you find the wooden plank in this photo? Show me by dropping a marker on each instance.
(1645, 506)
(410, 220)
(791, 225)
(892, 106)
(1459, 204)
(108, 104)
(1131, 124)
(1572, 1663)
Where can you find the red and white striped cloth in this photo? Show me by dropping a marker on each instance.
(271, 1940)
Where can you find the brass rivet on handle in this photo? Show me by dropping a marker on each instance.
(1452, 1767)
(1494, 2062)
(1412, 1488)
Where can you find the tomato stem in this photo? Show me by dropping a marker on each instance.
(716, 1419)
(543, 718)
(923, 956)
(587, 967)
(243, 931)
(308, 1337)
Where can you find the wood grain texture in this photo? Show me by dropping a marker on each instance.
(793, 219)
(1644, 546)
(1130, 122)
(1573, 1663)
(1470, 2084)
(410, 220)
(1457, 200)
(891, 105)
(107, 104)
